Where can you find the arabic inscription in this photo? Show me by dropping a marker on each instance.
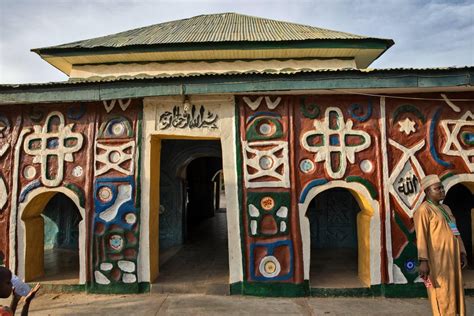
(194, 118)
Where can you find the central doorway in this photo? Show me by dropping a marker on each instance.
(332, 215)
(193, 250)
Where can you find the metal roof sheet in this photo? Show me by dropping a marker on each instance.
(275, 72)
(212, 28)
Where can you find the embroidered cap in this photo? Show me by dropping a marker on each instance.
(429, 180)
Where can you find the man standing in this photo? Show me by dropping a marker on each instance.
(441, 252)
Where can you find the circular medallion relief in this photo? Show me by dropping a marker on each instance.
(410, 265)
(118, 129)
(29, 172)
(130, 218)
(265, 162)
(366, 166)
(116, 242)
(267, 203)
(105, 194)
(269, 267)
(265, 129)
(306, 165)
(114, 156)
(77, 171)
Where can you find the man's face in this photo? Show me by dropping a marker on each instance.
(436, 192)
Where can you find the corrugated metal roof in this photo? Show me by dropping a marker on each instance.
(286, 71)
(223, 27)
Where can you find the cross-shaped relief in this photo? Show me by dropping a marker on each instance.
(52, 145)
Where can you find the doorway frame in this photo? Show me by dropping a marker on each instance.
(224, 105)
(368, 230)
(29, 217)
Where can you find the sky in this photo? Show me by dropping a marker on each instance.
(426, 33)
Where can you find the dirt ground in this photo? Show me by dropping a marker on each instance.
(198, 304)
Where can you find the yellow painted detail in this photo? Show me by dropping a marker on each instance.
(363, 237)
(34, 236)
(363, 57)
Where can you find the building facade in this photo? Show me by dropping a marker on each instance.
(319, 157)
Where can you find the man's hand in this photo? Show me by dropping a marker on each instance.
(424, 269)
(32, 293)
(463, 260)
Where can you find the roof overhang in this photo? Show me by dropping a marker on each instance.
(363, 51)
(350, 81)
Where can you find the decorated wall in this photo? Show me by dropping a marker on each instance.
(279, 152)
(296, 147)
(88, 152)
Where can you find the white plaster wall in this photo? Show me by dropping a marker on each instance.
(189, 67)
(386, 197)
(374, 234)
(224, 107)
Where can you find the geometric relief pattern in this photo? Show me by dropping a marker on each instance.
(268, 213)
(271, 261)
(51, 147)
(271, 104)
(113, 156)
(266, 164)
(115, 231)
(335, 142)
(404, 181)
(116, 217)
(453, 147)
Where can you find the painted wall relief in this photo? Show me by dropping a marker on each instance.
(432, 136)
(268, 217)
(116, 216)
(62, 148)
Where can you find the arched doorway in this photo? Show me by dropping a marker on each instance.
(333, 223)
(193, 251)
(460, 199)
(367, 231)
(51, 237)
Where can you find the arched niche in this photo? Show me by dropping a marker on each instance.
(31, 233)
(368, 230)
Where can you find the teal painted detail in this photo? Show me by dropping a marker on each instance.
(79, 193)
(310, 111)
(144, 287)
(281, 200)
(446, 176)
(123, 89)
(366, 183)
(253, 130)
(236, 288)
(408, 108)
(467, 138)
(50, 232)
(114, 288)
(275, 289)
(407, 261)
(404, 290)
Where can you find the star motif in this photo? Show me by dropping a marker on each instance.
(407, 126)
(452, 146)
